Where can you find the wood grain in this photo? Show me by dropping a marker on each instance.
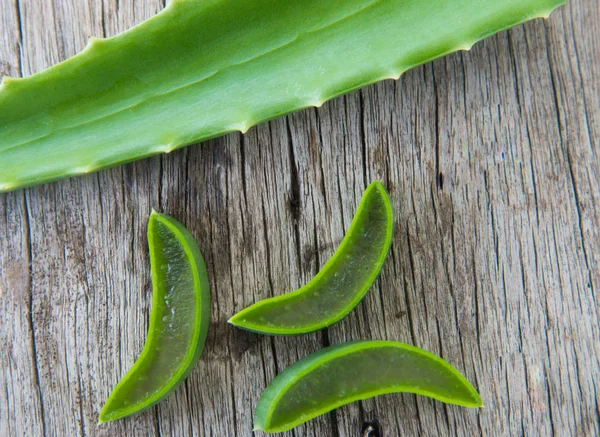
(492, 161)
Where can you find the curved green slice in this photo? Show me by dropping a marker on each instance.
(202, 68)
(340, 284)
(338, 375)
(178, 322)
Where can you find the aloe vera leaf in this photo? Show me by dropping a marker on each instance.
(202, 68)
(178, 322)
(342, 282)
(348, 372)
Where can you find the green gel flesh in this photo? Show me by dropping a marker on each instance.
(345, 373)
(341, 283)
(178, 322)
(202, 68)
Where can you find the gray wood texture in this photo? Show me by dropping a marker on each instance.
(492, 161)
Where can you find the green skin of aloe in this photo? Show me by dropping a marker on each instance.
(178, 322)
(202, 68)
(352, 371)
(342, 282)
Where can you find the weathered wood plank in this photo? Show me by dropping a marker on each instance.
(491, 159)
(21, 409)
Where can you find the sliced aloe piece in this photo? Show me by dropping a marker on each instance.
(202, 68)
(340, 284)
(352, 371)
(178, 322)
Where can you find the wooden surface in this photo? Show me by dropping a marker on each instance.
(492, 161)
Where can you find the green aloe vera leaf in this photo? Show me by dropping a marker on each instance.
(338, 375)
(202, 68)
(178, 321)
(342, 282)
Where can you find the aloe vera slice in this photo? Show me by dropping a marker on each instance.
(202, 68)
(338, 375)
(178, 322)
(340, 284)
